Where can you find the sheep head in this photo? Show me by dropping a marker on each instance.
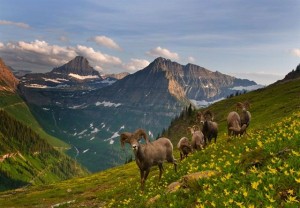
(208, 115)
(244, 106)
(133, 138)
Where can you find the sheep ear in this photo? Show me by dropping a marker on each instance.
(141, 133)
(124, 137)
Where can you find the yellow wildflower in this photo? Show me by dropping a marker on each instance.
(291, 191)
(297, 180)
(272, 170)
(255, 184)
(226, 192)
(270, 198)
(240, 204)
(291, 199)
(292, 171)
(259, 143)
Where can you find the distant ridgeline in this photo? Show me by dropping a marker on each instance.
(26, 158)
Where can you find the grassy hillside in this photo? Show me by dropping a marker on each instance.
(260, 170)
(28, 159)
(15, 106)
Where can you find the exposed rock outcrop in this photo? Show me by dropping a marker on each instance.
(8, 82)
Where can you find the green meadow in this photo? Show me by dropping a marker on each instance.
(261, 169)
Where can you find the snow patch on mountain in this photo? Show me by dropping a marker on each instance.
(77, 76)
(107, 104)
(77, 106)
(108, 81)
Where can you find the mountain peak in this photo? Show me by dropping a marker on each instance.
(79, 65)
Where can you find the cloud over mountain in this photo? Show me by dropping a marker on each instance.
(42, 53)
(105, 41)
(296, 52)
(136, 64)
(163, 52)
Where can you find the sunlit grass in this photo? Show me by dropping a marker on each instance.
(261, 170)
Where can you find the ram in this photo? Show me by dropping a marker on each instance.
(149, 154)
(184, 147)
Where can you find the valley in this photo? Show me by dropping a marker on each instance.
(89, 114)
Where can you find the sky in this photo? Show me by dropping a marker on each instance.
(257, 40)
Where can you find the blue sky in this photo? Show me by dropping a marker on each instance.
(258, 40)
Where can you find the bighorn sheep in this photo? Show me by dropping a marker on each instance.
(245, 115)
(184, 147)
(149, 154)
(233, 121)
(238, 131)
(237, 124)
(198, 141)
(209, 128)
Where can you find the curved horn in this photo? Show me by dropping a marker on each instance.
(124, 137)
(239, 105)
(208, 114)
(141, 133)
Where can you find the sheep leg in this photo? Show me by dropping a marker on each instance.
(142, 178)
(161, 169)
(181, 156)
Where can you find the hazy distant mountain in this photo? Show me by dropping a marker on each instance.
(91, 119)
(8, 82)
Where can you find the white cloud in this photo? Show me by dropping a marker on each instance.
(136, 64)
(191, 59)
(17, 24)
(97, 56)
(105, 41)
(159, 51)
(42, 55)
(296, 52)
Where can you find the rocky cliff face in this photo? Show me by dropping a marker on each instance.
(8, 82)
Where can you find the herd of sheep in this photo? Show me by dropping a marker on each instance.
(161, 150)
